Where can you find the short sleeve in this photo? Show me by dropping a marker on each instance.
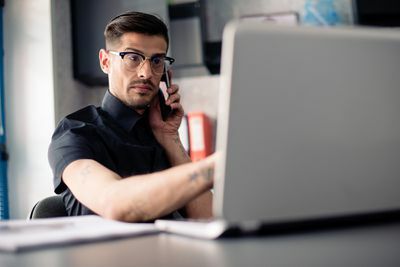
(67, 145)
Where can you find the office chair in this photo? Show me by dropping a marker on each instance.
(48, 207)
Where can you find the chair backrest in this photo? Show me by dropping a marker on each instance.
(49, 207)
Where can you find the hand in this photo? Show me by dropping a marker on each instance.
(164, 131)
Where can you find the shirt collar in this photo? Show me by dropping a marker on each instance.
(122, 114)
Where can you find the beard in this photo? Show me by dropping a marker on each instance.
(141, 101)
(139, 106)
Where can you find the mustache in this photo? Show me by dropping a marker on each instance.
(145, 82)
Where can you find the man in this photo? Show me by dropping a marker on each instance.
(123, 160)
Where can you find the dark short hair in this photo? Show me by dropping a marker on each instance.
(133, 21)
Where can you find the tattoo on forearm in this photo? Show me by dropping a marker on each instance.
(193, 176)
(179, 143)
(206, 173)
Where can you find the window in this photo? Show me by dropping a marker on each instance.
(4, 214)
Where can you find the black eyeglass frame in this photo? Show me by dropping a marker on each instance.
(124, 53)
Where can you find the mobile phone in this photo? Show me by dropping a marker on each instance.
(165, 78)
(165, 110)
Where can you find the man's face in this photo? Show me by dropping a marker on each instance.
(136, 88)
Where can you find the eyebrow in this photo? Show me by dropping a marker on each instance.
(129, 49)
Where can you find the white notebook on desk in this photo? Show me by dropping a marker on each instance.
(17, 235)
(308, 126)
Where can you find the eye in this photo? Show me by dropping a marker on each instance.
(134, 57)
(157, 61)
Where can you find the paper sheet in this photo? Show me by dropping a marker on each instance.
(18, 235)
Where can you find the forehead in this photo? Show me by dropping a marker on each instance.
(148, 44)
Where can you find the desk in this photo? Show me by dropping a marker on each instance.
(377, 245)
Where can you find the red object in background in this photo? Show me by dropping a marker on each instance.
(200, 135)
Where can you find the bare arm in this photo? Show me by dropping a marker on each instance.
(166, 132)
(137, 198)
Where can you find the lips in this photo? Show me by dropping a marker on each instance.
(142, 88)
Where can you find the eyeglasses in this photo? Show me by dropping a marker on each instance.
(133, 61)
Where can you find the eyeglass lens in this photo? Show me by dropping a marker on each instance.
(133, 61)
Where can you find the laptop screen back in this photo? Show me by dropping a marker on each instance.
(308, 123)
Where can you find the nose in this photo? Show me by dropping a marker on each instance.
(144, 70)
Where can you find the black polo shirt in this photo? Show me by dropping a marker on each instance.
(113, 135)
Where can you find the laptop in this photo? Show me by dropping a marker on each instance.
(308, 127)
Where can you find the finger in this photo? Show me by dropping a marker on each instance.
(175, 98)
(177, 108)
(173, 89)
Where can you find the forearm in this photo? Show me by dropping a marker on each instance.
(200, 207)
(176, 153)
(137, 198)
(155, 195)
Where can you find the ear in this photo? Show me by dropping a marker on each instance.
(104, 60)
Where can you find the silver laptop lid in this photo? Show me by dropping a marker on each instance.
(308, 122)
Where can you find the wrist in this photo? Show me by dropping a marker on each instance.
(203, 173)
(175, 151)
(169, 140)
